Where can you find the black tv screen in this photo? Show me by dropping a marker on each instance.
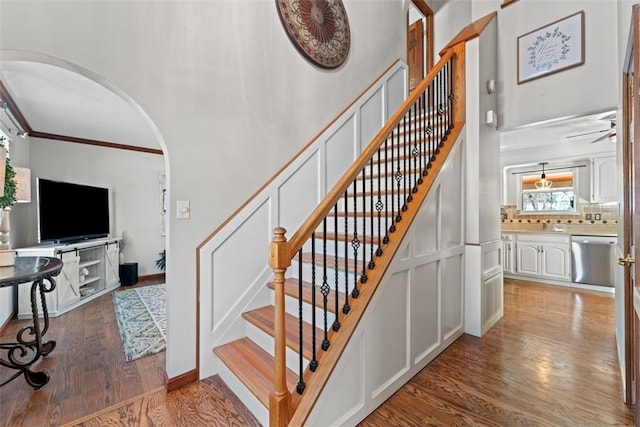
(71, 212)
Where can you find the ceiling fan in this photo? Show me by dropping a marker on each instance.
(609, 132)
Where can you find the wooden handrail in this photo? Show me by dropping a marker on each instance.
(316, 217)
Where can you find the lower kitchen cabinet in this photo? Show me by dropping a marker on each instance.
(544, 255)
(507, 255)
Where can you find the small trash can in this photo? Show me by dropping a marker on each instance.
(128, 273)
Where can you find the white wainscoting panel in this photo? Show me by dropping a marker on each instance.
(302, 189)
(225, 257)
(388, 347)
(339, 148)
(349, 398)
(425, 311)
(372, 116)
(415, 314)
(427, 222)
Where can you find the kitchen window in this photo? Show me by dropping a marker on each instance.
(553, 192)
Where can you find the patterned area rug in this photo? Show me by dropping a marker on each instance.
(142, 320)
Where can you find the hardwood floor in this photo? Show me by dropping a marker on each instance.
(550, 362)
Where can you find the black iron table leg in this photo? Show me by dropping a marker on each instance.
(30, 347)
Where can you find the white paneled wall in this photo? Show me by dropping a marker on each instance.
(416, 313)
(234, 262)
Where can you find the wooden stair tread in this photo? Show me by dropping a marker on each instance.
(253, 366)
(291, 289)
(263, 318)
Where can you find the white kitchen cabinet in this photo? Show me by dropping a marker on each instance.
(507, 256)
(528, 258)
(603, 179)
(90, 269)
(556, 259)
(544, 255)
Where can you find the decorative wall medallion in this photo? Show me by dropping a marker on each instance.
(318, 28)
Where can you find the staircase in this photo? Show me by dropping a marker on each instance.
(340, 254)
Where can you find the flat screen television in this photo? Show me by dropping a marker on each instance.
(70, 212)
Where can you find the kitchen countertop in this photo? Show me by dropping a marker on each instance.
(565, 232)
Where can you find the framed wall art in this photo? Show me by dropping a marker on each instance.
(552, 48)
(318, 28)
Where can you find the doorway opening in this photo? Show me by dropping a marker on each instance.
(419, 41)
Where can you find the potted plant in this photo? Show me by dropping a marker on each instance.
(160, 262)
(7, 256)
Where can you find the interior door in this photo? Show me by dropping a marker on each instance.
(415, 53)
(627, 313)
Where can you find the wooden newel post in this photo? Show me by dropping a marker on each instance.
(280, 397)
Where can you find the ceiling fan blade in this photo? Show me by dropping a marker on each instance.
(603, 137)
(587, 133)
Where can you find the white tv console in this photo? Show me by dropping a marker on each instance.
(91, 269)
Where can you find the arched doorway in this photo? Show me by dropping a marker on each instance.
(88, 157)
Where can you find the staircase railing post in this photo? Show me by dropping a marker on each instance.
(280, 397)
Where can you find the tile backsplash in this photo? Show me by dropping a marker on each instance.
(597, 218)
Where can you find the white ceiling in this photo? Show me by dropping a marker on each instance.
(58, 101)
(572, 130)
(61, 102)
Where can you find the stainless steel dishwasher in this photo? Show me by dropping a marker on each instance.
(593, 260)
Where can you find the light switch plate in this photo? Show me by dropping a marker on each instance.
(597, 217)
(183, 209)
(588, 216)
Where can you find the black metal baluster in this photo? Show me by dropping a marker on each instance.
(355, 243)
(393, 185)
(399, 177)
(430, 131)
(451, 93)
(314, 361)
(346, 308)
(336, 286)
(324, 289)
(438, 117)
(379, 204)
(364, 277)
(445, 103)
(301, 385)
(423, 137)
(416, 151)
(386, 193)
(441, 109)
(406, 175)
(372, 262)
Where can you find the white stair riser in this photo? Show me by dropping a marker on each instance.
(291, 307)
(361, 225)
(265, 341)
(307, 276)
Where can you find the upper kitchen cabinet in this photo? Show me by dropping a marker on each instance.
(603, 180)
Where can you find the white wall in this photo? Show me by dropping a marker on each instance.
(232, 98)
(132, 178)
(588, 88)
(449, 18)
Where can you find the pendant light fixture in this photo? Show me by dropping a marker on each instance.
(543, 182)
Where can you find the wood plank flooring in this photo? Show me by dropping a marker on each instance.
(550, 362)
(87, 368)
